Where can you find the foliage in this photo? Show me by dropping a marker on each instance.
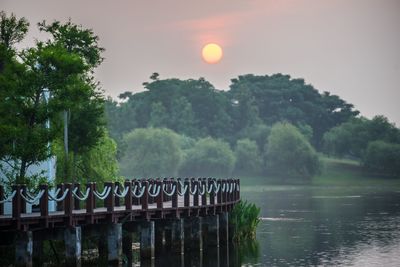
(63, 67)
(289, 153)
(208, 157)
(280, 98)
(151, 152)
(352, 138)
(98, 164)
(383, 158)
(12, 30)
(248, 158)
(245, 217)
(258, 133)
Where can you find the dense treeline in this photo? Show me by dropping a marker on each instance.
(263, 121)
(195, 108)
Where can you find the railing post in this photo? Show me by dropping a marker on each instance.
(109, 201)
(150, 199)
(224, 194)
(186, 199)
(136, 200)
(238, 189)
(94, 201)
(203, 184)
(77, 204)
(160, 197)
(175, 195)
(116, 198)
(1, 198)
(23, 202)
(90, 199)
(219, 194)
(195, 183)
(145, 197)
(228, 195)
(128, 196)
(69, 200)
(212, 193)
(44, 201)
(16, 202)
(60, 204)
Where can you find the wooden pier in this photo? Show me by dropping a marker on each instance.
(180, 214)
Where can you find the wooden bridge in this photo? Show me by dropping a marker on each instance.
(158, 211)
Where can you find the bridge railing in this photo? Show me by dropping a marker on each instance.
(139, 193)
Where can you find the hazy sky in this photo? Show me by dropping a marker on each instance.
(348, 47)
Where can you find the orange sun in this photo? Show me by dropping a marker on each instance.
(212, 53)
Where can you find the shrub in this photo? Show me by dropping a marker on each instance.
(383, 158)
(151, 152)
(248, 158)
(289, 153)
(208, 157)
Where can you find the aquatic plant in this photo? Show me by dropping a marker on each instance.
(244, 218)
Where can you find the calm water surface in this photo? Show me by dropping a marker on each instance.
(325, 226)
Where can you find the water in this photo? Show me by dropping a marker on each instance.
(325, 226)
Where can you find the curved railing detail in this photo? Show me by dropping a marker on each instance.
(135, 195)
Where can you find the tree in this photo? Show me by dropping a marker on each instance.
(248, 157)
(12, 30)
(97, 164)
(280, 98)
(208, 157)
(158, 116)
(151, 152)
(352, 137)
(84, 119)
(23, 108)
(289, 153)
(62, 66)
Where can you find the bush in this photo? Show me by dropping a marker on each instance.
(248, 158)
(289, 153)
(208, 157)
(383, 158)
(98, 164)
(151, 152)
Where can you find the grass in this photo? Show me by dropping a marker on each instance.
(335, 172)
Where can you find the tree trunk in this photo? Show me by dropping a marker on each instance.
(22, 171)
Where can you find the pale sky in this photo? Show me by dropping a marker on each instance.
(347, 47)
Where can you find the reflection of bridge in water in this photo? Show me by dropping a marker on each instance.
(167, 216)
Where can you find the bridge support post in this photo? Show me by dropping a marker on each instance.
(224, 228)
(24, 249)
(193, 242)
(73, 246)
(177, 236)
(224, 238)
(211, 235)
(147, 236)
(212, 225)
(193, 234)
(114, 244)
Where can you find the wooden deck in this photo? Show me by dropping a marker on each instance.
(175, 199)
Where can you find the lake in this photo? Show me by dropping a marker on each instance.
(325, 226)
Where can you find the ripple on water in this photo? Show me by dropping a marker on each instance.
(330, 197)
(281, 219)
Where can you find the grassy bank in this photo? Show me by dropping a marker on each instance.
(335, 172)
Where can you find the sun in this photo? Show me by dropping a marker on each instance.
(212, 53)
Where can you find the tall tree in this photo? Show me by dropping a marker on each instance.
(62, 66)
